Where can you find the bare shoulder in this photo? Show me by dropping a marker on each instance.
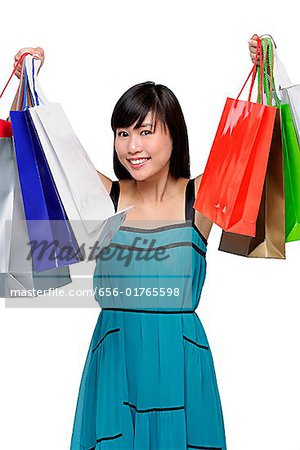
(203, 224)
(106, 181)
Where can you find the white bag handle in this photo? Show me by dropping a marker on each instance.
(21, 84)
(32, 66)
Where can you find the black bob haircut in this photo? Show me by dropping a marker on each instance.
(134, 105)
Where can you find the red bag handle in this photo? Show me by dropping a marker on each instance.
(5, 125)
(253, 73)
(14, 71)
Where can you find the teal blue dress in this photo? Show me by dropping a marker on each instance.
(149, 382)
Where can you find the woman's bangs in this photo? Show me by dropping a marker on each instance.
(136, 114)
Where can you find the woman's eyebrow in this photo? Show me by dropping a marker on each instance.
(143, 125)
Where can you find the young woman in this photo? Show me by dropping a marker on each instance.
(149, 380)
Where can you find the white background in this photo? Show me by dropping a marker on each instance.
(249, 308)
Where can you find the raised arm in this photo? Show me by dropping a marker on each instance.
(38, 53)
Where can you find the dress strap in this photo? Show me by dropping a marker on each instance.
(190, 200)
(114, 193)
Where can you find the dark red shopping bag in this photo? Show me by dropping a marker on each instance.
(232, 183)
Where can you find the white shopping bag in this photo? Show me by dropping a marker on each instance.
(83, 194)
(287, 92)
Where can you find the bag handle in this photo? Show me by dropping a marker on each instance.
(32, 66)
(14, 71)
(271, 52)
(23, 92)
(253, 73)
(21, 82)
(19, 62)
(281, 76)
(268, 78)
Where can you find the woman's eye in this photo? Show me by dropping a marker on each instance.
(120, 133)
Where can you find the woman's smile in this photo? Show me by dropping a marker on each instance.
(136, 163)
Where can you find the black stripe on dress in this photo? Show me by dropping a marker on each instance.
(195, 343)
(152, 311)
(108, 438)
(203, 447)
(172, 245)
(172, 408)
(106, 334)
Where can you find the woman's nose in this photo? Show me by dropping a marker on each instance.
(134, 144)
(133, 152)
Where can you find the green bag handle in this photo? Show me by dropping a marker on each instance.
(268, 73)
(266, 88)
(266, 80)
(271, 65)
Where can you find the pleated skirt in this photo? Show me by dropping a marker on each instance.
(148, 383)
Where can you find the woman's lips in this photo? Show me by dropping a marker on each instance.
(137, 166)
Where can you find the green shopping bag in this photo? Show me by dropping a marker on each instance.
(291, 155)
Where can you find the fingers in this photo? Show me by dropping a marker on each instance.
(39, 54)
(36, 52)
(253, 47)
(17, 57)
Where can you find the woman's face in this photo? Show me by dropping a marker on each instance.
(142, 151)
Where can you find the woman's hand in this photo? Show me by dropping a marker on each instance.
(252, 47)
(37, 53)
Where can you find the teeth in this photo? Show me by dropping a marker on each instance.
(138, 161)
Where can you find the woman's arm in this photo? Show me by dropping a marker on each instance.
(203, 224)
(106, 181)
(38, 53)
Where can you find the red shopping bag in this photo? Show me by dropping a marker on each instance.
(232, 182)
(5, 129)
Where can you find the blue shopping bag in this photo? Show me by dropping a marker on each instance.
(53, 243)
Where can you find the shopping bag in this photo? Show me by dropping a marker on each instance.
(86, 201)
(269, 241)
(17, 277)
(5, 129)
(53, 241)
(291, 150)
(291, 174)
(83, 194)
(291, 95)
(232, 182)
